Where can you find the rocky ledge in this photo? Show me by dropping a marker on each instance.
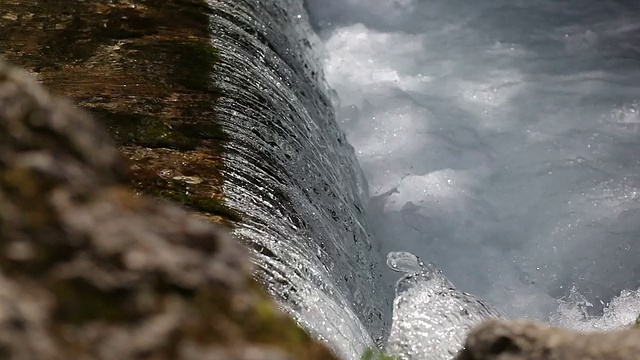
(89, 270)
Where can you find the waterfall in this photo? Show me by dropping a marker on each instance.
(293, 176)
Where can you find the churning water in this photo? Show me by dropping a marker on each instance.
(499, 140)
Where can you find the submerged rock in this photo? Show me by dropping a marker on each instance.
(526, 340)
(90, 271)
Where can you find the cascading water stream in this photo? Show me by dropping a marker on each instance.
(291, 173)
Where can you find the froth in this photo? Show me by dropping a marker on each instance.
(499, 142)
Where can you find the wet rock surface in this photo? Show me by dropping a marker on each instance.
(526, 340)
(142, 67)
(88, 270)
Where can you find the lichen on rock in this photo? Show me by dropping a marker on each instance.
(90, 271)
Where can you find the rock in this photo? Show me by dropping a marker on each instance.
(143, 69)
(89, 270)
(526, 340)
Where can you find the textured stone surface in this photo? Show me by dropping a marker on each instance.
(142, 68)
(88, 270)
(526, 340)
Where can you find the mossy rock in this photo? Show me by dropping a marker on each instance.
(143, 69)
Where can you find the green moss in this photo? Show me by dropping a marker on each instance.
(265, 323)
(202, 131)
(146, 131)
(374, 354)
(158, 134)
(192, 62)
(194, 65)
(150, 132)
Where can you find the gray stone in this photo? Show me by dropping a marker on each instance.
(526, 340)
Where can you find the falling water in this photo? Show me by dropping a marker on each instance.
(290, 171)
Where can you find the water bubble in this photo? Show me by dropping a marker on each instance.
(404, 262)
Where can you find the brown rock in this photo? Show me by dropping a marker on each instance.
(88, 270)
(526, 340)
(141, 67)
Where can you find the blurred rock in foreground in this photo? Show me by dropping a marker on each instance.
(90, 271)
(526, 340)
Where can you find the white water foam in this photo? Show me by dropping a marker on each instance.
(500, 140)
